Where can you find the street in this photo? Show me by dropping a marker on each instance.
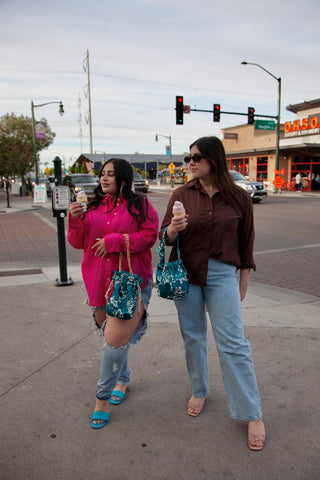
(287, 245)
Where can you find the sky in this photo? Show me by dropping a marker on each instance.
(142, 53)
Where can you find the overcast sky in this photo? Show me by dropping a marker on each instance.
(142, 54)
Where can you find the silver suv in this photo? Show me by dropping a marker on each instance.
(140, 183)
(256, 190)
(80, 181)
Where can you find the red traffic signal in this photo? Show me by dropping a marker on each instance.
(250, 115)
(216, 112)
(179, 110)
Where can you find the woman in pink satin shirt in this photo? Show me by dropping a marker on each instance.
(115, 210)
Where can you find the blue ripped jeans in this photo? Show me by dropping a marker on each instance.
(221, 297)
(114, 362)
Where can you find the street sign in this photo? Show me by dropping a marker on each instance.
(278, 182)
(264, 124)
(171, 166)
(186, 108)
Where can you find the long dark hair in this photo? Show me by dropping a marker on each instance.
(124, 178)
(213, 150)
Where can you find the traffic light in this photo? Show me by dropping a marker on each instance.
(216, 112)
(179, 110)
(250, 115)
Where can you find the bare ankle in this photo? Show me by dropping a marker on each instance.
(102, 405)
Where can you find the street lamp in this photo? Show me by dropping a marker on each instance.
(165, 136)
(33, 106)
(279, 103)
(169, 137)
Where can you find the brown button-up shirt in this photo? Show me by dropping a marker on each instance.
(214, 229)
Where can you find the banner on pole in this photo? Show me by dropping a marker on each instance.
(40, 131)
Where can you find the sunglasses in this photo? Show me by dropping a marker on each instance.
(195, 158)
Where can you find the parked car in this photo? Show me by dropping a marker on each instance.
(140, 183)
(80, 181)
(256, 190)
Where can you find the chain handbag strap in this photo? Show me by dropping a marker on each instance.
(126, 236)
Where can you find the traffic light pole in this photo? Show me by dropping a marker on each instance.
(233, 113)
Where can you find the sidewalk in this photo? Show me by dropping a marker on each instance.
(50, 365)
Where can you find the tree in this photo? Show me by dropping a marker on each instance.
(16, 144)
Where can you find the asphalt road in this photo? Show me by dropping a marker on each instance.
(287, 245)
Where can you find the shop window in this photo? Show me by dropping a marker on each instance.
(262, 169)
(240, 165)
(309, 169)
(305, 171)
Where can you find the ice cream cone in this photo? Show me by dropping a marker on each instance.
(82, 198)
(178, 209)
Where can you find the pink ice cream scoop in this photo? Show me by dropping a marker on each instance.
(82, 198)
(178, 209)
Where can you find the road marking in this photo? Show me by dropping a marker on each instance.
(288, 249)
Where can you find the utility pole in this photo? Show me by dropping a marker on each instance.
(88, 94)
(80, 123)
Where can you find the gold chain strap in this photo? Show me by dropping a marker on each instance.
(126, 236)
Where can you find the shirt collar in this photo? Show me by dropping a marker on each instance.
(108, 200)
(195, 183)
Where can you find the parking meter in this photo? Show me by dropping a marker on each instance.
(60, 205)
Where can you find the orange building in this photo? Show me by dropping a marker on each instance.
(251, 149)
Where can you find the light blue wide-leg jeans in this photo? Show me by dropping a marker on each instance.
(221, 296)
(114, 362)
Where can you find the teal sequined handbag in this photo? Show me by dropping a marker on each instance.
(126, 291)
(171, 277)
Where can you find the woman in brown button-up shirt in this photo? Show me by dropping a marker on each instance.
(216, 239)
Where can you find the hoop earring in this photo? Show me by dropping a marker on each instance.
(101, 194)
